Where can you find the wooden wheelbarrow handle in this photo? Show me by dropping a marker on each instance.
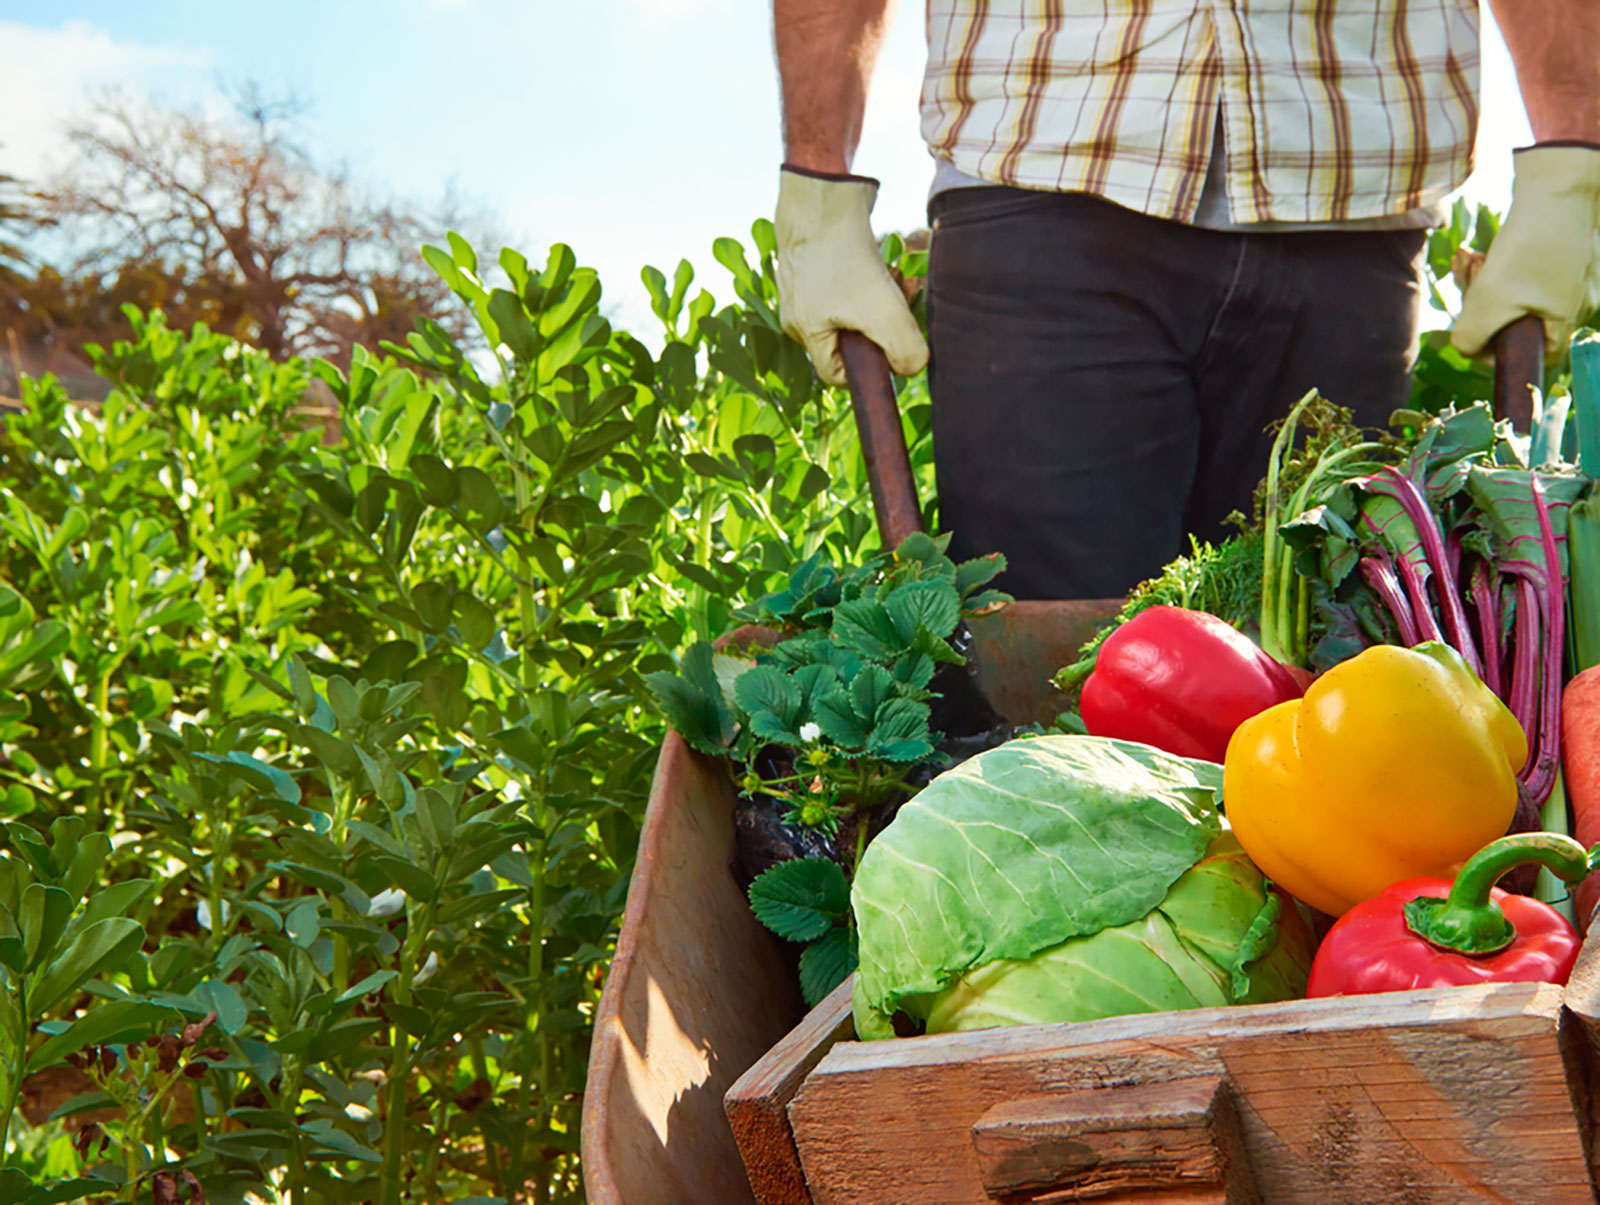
(1518, 370)
(883, 441)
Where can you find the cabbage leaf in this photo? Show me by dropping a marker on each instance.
(1017, 850)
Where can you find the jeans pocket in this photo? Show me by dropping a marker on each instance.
(1404, 249)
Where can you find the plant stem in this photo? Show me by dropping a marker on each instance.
(394, 1117)
(1271, 586)
(100, 744)
(480, 1068)
(535, 1021)
(16, 1060)
(390, 1182)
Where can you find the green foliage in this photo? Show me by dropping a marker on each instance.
(353, 733)
(808, 900)
(800, 900)
(847, 691)
(1442, 377)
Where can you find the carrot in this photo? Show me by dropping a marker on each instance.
(1580, 759)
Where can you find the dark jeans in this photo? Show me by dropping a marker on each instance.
(1102, 380)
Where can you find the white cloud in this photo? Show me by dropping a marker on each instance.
(50, 73)
(660, 10)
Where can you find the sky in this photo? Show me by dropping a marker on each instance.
(637, 131)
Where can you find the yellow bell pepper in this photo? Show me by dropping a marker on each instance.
(1397, 762)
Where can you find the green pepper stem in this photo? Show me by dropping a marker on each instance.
(1467, 921)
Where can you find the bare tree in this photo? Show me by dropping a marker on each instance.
(15, 217)
(291, 256)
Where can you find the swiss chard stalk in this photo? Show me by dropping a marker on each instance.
(1486, 602)
(1433, 563)
(1544, 763)
(1377, 570)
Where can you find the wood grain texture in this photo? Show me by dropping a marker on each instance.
(697, 992)
(1582, 999)
(758, 1102)
(1437, 1096)
(883, 439)
(1180, 1137)
(1518, 370)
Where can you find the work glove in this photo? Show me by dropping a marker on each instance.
(831, 278)
(1544, 259)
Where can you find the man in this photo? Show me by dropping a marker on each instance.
(1156, 224)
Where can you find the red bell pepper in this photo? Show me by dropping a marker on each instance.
(1181, 681)
(1428, 932)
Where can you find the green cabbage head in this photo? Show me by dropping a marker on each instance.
(1066, 878)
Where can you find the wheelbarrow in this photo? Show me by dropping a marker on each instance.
(708, 1082)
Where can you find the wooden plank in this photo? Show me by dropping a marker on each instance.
(1442, 1095)
(1181, 1138)
(1582, 1000)
(758, 1102)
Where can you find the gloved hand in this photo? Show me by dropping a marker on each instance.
(831, 278)
(1546, 257)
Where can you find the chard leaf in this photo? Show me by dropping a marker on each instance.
(1504, 499)
(826, 963)
(1017, 850)
(1324, 537)
(800, 900)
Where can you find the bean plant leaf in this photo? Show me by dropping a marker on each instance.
(102, 946)
(800, 900)
(214, 995)
(16, 1188)
(117, 1021)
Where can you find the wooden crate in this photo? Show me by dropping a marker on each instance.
(1445, 1095)
(698, 990)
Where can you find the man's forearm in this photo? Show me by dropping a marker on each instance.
(826, 52)
(1555, 47)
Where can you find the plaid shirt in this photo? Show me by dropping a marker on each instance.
(1334, 110)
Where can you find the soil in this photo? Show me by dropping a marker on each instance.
(959, 711)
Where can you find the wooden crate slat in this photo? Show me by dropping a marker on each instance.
(1413, 1096)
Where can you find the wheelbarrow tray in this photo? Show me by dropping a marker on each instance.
(698, 990)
